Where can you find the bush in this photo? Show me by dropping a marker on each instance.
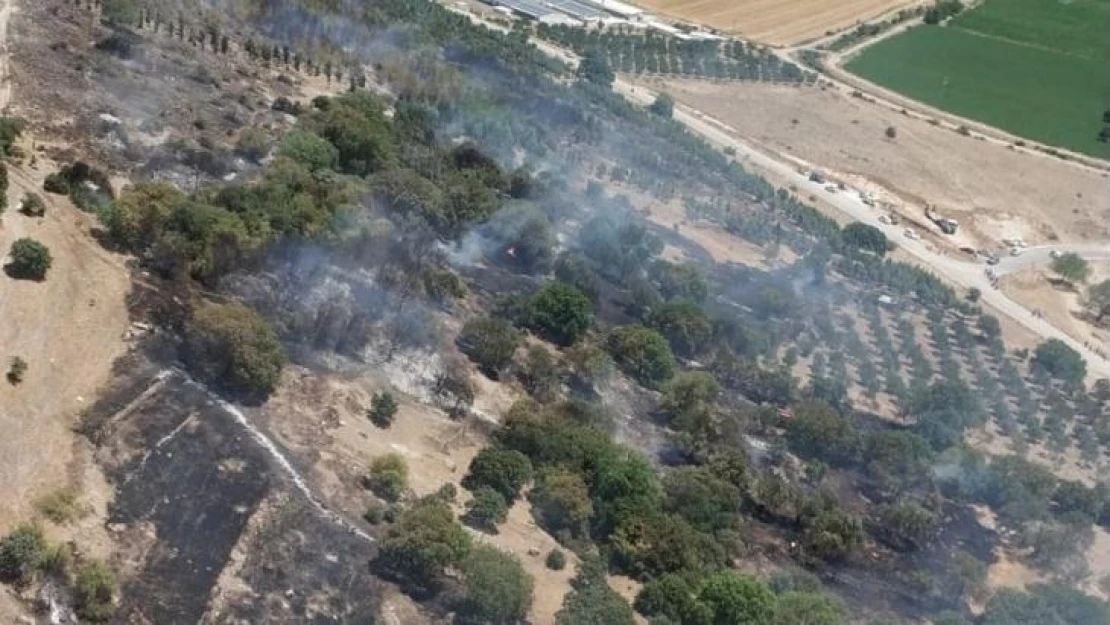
(560, 313)
(490, 343)
(232, 346)
(20, 552)
(504, 470)
(864, 237)
(424, 541)
(17, 370)
(643, 354)
(375, 513)
(388, 478)
(487, 509)
(556, 560)
(383, 409)
(30, 260)
(33, 205)
(496, 590)
(1061, 361)
(95, 591)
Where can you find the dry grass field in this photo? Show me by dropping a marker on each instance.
(774, 22)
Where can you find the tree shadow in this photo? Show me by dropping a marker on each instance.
(13, 272)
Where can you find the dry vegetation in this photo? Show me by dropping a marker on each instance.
(774, 22)
(993, 191)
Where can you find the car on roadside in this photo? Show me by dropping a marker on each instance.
(1055, 254)
(911, 234)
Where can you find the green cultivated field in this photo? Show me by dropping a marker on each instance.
(1036, 68)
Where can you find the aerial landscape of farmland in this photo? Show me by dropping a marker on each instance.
(1036, 69)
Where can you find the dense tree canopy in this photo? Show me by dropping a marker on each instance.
(1060, 360)
(233, 347)
(642, 353)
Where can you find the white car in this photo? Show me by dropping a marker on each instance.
(911, 234)
(1055, 254)
(1015, 251)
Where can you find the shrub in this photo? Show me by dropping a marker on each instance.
(20, 552)
(17, 370)
(496, 590)
(487, 509)
(33, 205)
(560, 313)
(388, 478)
(1060, 360)
(375, 513)
(490, 343)
(556, 560)
(62, 506)
(504, 470)
(642, 353)
(30, 260)
(95, 591)
(234, 347)
(383, 409)
(424, 541)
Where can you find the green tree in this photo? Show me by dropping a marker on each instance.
(425, 540)
(818, 432)
(232, 346)
(20, 552)
(95, 590)
(486, 509)
(560, 313)
(688, 399)
(1060, 360)
(907, 525)
(663, 105)
(504, 470)
(1071, 267)
(707, 502)
(561, 503)
(496, 590)
(642, 353)
(737, 598)
(388, 477)
(490, 343)
(556, 560)
(383, 409)
(591, 601)
(594, 68)
(1097, 301)
(309, 149)
(864, 237)
(685, 325)
(30, 260)
(809, 608)
(141, 214)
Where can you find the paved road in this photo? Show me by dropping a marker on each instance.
(1041, 256)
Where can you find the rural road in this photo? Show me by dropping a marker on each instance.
(960, 272)
(1041, 256)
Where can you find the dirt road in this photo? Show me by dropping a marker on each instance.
(5, 57)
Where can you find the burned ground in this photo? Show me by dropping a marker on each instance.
(190, 481)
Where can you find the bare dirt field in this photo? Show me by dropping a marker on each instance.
(69, 329)
(993, 191)
(774, 22)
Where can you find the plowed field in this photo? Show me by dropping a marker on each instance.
(774, 22)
